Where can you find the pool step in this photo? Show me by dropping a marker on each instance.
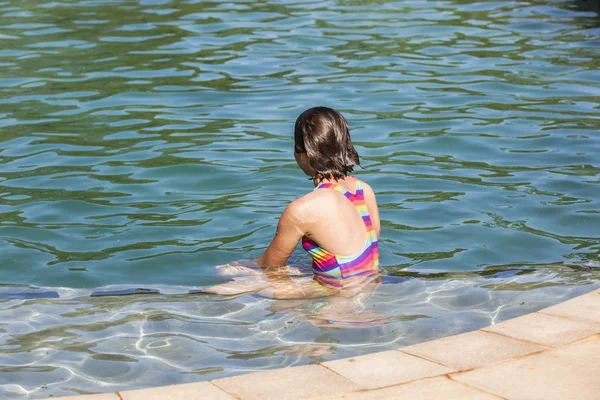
(125, 292)
(29, 295)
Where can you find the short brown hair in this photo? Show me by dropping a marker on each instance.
(323, 134)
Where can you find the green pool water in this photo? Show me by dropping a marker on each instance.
(142, 143)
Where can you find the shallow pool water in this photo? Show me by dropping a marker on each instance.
(142, 143)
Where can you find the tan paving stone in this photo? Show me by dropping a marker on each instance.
(571, 372)
(440, 388)
(545, 329)
(472, 350)
(586, 307)
(187, 391)
(101, 396)
(385, 368)
(287, 383)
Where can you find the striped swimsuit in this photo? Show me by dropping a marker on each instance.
(345, 272)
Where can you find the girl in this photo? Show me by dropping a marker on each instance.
(338, 222)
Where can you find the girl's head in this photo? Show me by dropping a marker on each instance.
(323, 148)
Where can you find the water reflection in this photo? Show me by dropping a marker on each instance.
(146, 142)
(341, 311)
(78, 343)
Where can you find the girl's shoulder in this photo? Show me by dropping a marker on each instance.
(366, 188)
(317, 202)
(316, 195)
(322, 193)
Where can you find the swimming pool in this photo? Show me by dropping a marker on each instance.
(144, 142)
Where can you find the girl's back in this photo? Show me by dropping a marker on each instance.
(346, 223)
(334, 222)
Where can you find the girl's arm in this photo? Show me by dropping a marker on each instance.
(290, 230)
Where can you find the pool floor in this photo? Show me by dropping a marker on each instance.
(550, 354)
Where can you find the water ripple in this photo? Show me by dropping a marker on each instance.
(144, 142)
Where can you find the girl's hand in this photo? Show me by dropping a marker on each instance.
(239, 268)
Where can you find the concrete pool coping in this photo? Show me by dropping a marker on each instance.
(550, 354)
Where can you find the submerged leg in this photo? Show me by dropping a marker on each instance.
(250, 267)
(296, 290)
(346, 309)
(246, 284)
(249, 277)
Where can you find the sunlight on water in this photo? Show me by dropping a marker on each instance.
(145, 142)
